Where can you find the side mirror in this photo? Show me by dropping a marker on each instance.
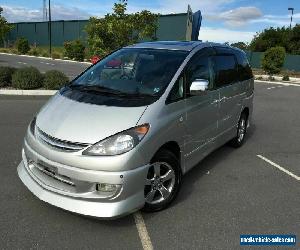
(198, 86)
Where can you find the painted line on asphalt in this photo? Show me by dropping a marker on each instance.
(142, 230)
(279, 167)
(276, 87)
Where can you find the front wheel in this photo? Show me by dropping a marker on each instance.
(163, 181)
(241, 132)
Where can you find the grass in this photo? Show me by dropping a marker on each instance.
(57, 52)
(289, 73)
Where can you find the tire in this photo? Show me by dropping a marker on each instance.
(163, 181)
(238, 141)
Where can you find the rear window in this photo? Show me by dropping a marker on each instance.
(225, 70)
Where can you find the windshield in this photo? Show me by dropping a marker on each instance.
(138, 72)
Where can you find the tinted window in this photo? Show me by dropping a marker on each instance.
(244, 70)
(225, 69)
(200, 67)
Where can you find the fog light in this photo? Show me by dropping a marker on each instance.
(104, 187)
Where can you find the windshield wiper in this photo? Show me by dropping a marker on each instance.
(140, 95)
(106, 90)
(97, 88)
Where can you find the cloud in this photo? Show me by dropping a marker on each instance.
(180, 6)
(278, 20)
(59, 12)
(222, 35)
(236, 17)
(84, 11)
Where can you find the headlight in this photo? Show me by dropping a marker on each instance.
(119, 143)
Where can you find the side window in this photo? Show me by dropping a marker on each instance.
(244, 69)
(177, 92)
(200, 67)
(225, 70)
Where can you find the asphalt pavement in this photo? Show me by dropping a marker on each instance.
(71, 69)
(231, 192)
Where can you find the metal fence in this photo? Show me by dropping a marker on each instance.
(170, 27)
(291, 62)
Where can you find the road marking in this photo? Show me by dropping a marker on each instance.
(276, 87)
(22, 62)
(279, 167)
(142, 230)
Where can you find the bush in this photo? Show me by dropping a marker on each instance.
(6, 76)
(271, 78)
(27, 78)
(273, 60)
(55, 79)
(33, 52)
(74, 50)
(22, 45)
(56, 55)
(44, 53)
(4, 50)
(285, 77)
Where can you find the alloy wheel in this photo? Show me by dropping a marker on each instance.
(241, 129)
(160, 183)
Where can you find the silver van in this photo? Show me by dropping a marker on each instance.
(121, 135)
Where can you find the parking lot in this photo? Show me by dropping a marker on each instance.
(231, 192)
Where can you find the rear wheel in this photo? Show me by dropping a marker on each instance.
(162, 182)
(241, 132)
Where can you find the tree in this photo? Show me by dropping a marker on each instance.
(294, 42)
(284, 37)
(4, 26)
(119, 29)
(271, 38)
(240, 45)
(273, 60)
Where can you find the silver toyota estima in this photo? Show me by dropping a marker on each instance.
(121, 135)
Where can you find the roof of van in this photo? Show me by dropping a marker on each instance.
(179, 45)
(173, 45)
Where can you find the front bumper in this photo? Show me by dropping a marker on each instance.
(128, 198)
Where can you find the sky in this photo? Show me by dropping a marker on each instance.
(223, 20)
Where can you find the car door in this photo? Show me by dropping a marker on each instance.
(227, 82)
(201, 110)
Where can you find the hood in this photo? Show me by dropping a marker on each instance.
(74, 121)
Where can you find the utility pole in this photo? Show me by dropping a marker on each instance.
(291, 9)
(49, 30)
(45, 11)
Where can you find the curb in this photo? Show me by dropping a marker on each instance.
(278, 83)
(46, 58)
(36, 92)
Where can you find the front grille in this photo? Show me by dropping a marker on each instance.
(59, 144)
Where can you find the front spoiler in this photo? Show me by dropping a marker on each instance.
(112, 209)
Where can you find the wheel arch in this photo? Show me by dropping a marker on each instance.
(174, 147)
